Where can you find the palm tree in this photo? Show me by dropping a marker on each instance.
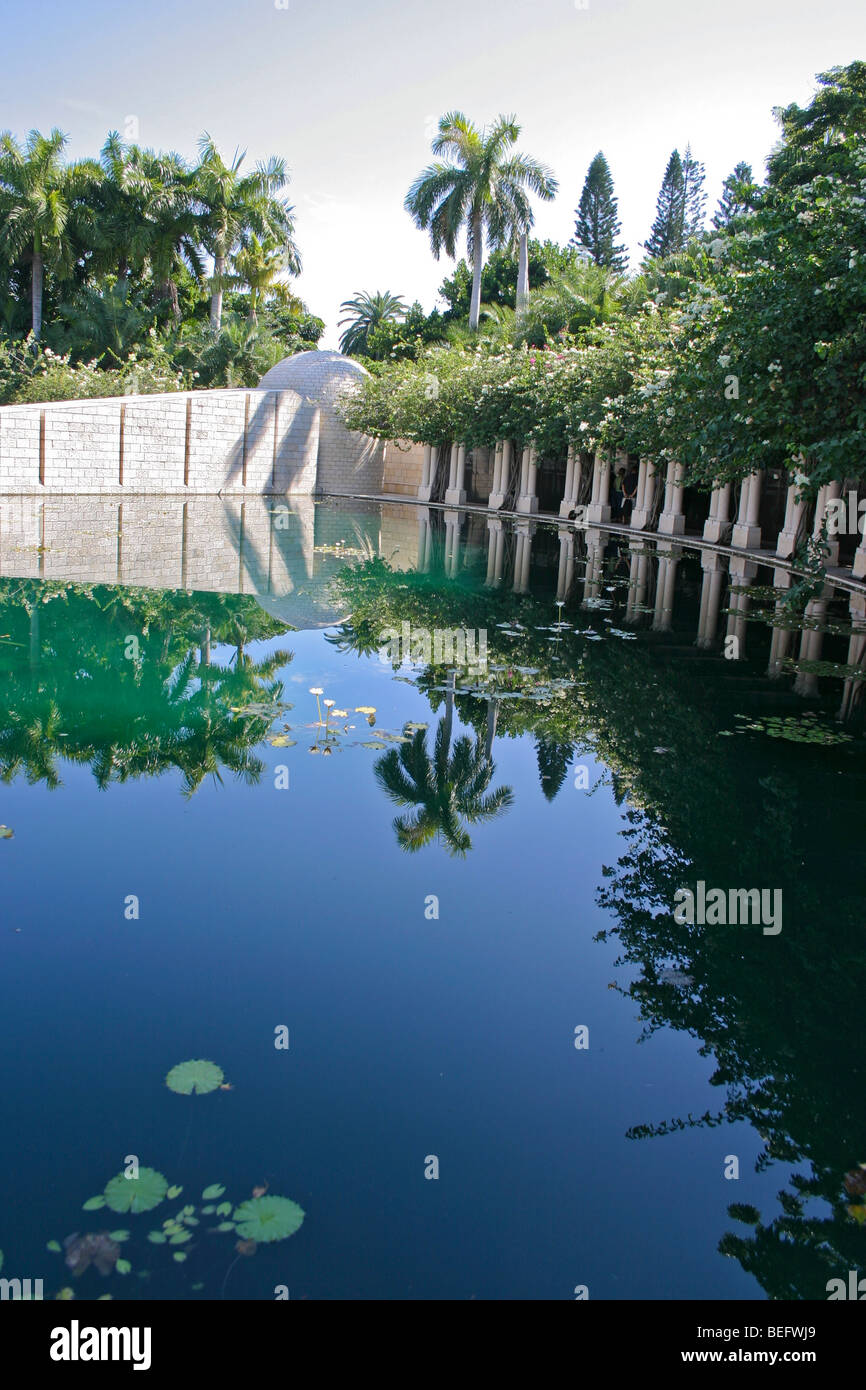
(173, 231)
(261, 265)
(38, 193)
(366, 312)
(577, 299)
(448, 792)
(483, 191)
(233, 205)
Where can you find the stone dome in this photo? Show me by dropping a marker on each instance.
(347, 462)
(319, 375)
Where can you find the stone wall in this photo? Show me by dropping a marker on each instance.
(190, 442)
(403, 465)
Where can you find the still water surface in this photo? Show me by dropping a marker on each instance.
(450, 893)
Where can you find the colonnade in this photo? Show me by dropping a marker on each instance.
(517, 477)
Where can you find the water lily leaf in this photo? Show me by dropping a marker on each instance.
(191, 1220)
(157, 1237)
(208, 1211)
(224, 1209)
(174, 1192)
(180, 1256)
(55, 1246)
(195, 1077)
(105, 1298)
(181, 1238)
(93, 1203)
(196, 1287)
(65, 1295)
(6, 833)
(281, 741)
(226, 1226)
(264, 1219)
(123, 1266)
(211, 1193)
(119, 1236)
(136, 1194)
(374, 744)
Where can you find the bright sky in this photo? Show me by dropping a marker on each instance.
(349, 92)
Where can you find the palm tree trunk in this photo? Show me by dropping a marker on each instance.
(523, 272)
(216, 299)
(477, 266)
(492, 718)
(37, 280)
(449, 707)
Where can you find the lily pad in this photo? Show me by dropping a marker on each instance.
(224, 1209)
(209, 1210)
(157, 1237)
(174, 1192)
(55, 1246)
(119, 1236)
(181, 1238)
(264, 1219)
(6, 833)
(93, 1203)
(179, 1256)
(211, 1193)
(123, 1266)
(136, 1194)
(226, 1226)
(196, 1077)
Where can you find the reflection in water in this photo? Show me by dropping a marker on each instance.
(723, 698)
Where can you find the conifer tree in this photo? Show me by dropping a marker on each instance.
(735, 197)
(694, 197)
(668, 229)
(597, 224)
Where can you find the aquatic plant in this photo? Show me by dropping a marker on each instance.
(95, 1248)
(197, 1077)
(136, 1194)
(268, 1218)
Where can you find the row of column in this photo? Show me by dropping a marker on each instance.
(743, 531)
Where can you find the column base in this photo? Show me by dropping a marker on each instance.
(455, 497)
(527, 504)
(746, 537)
(639, 518)
(597, 513)
(672, 524)
(786, 544)
(495, 500)
(715, 530)
(425, 492)
(566, 506)
(859, 567)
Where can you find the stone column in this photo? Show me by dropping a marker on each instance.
(596, 544)
(792, 530)
(747, 532)
(527, 501)
(565, 574)
(743, 571)
(570, 491)
(425, 539)
(500, 476)
(714, 568)
(811, 643)
(645, 498)
(495, 552)
(452, 543)
(456, 495)
(828, 493)
(598, 511)
(669, 559)
(637, 581)
(428, 473)
(780, 642)
(672, 521)
(717, 525)
(852, 690)
(522, 555)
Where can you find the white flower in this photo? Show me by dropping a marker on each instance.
(725, 359)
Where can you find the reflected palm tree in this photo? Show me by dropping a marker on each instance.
(448, 790)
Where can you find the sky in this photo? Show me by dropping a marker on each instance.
(349, 93)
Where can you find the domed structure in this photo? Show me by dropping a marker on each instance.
(347, 462)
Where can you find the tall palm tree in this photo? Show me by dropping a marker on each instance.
(234, 204)
(366, 312)
(38, 193)
(260, 265)
(482, 191)
(448, 791)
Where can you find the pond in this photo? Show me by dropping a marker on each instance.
(425, 918)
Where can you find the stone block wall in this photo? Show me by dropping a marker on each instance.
(403, 466)
(192, 442)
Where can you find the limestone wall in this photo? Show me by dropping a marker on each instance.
(403, 465)
(191, 442)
